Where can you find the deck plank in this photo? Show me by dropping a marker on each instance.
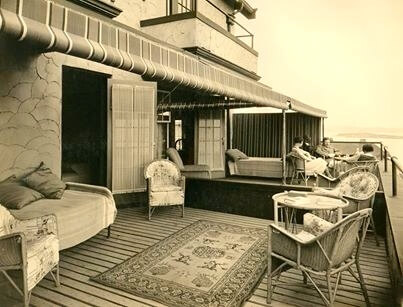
(132, 233)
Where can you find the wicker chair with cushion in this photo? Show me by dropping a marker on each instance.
(322, 249)
(359, 188)
(298, 169)
(165, 185)
(189, 171)
(369, 165)
(31, 246)
(324, 181)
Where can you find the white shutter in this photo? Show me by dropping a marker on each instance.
(132, 134)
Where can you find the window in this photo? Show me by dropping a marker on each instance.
(181, 6)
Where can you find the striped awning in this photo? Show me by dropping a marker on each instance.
(298, 106)
(53, 27)
(306, 109)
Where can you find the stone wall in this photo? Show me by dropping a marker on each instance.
(29, 109)
(30, 105)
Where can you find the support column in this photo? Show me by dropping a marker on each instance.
(283, 148)
(322, 121)
(228, 119)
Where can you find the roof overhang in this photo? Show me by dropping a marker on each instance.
(53, 27)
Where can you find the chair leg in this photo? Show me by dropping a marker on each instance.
(109, 231)
(277, 273)
(269, 290)
(331, 292)
(183, 210)
(27, 298)
(322, 295)
(149, 213)
(292, 178)
(306, 179)
(56, 275)
(27, 293)
(374, 229)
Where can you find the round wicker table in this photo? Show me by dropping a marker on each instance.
(289, 202)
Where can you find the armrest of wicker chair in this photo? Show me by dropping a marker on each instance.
(38, 227)
(324, 181)
(291, 236)
(356, 204)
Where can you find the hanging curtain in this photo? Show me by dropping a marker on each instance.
(259, 135)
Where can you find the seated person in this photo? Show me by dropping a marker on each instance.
(367, 154)
(312, 164)
(326, 150)
(307, 146)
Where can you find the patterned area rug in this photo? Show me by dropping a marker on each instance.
(204, 264)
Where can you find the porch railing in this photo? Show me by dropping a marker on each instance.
(380, 144)
(396, 166)
(174, 7)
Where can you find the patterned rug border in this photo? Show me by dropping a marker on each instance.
(237, 301)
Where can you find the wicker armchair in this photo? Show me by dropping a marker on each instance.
(359, 188)
(299, 170)
(369, 165)
(327, 254)
(30, 246)
(165, 185)
(324, 181)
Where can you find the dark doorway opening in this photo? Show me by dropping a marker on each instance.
(84, 126)
(182, 134)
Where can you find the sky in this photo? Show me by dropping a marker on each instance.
(344, 56)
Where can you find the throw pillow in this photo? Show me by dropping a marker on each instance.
(235, 154)
(14, 195)
(315, 225)
(45, 182)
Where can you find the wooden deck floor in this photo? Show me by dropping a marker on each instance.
(132, 233)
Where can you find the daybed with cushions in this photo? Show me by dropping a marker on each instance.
(81, 210)
(242, 165)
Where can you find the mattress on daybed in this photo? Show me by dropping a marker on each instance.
(260, 167)
(80, 215)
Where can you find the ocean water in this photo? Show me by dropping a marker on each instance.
(395, 147)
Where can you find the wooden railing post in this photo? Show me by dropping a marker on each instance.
(385, 159)
(381, 150)
(394, 177)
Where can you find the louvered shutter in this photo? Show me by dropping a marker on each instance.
(132, 134)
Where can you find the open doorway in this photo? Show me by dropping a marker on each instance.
(182, 133)
(84, 126)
